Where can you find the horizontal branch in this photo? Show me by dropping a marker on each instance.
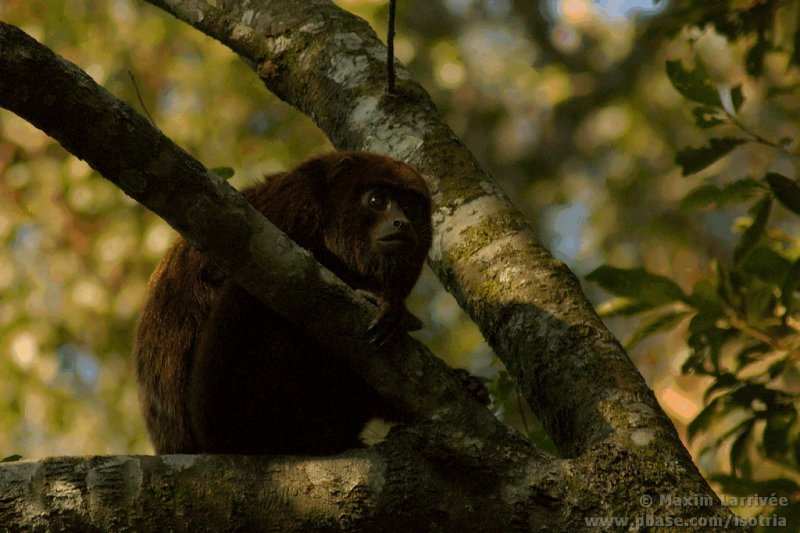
(358, 490)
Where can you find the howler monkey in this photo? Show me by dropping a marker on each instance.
(220, 372)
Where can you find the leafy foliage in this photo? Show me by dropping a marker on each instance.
(744, 330)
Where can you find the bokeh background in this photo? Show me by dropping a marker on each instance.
(566, 102)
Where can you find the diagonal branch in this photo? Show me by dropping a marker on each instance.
(128, 151)
(530, 307)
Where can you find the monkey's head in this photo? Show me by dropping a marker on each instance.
(379, 221)
(365, 216)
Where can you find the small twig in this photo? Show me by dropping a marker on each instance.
(390, 49)
(758, 138)
(754, 333)
(141, 101)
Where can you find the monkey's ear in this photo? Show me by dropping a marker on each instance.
(344, 164)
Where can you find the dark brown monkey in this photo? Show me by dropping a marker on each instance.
(220, 372)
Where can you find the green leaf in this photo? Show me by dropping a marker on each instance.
(11, 458)
(732, 193)
(705, 298)
(754, 59)
(747, 487)
(777, 431)
(737, 98)
(621, 307)
(740, 459)
(716, 407)
(752, 235)
(707, 117)
(653, 325)
(796, 450)
(696, 159)
(225, 173)
(767, 264)
(704, 295)
(702, 196)
(726, 380)
(745, 395)
(738, 191)
(778, 367)
(786, 191)
(637, 284)
(790, 286)
(704, 321)
(694, 85)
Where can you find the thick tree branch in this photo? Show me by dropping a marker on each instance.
(360, 490)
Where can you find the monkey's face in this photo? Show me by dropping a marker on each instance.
(382, 235)
(391, 212)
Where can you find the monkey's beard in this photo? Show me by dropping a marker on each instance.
(388, 270)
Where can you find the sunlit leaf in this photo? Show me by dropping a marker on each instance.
(752, 235)
(786, 191)
(707, 117)
(653, 325)
(693, 84)
(778, 367)
(621, 307)
(225, 173)
(696, 159)
(704, 295)
(723, 381)
(637, 284)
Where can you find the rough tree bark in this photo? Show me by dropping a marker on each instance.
(458, 466)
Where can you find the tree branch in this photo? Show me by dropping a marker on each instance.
(360, 490)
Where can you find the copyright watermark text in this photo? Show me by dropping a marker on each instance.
(649, 520)
(671, 500)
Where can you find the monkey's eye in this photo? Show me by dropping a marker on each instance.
(377, 200)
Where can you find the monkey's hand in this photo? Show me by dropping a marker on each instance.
(393, 318)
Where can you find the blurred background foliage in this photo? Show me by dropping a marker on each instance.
(569, 103)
